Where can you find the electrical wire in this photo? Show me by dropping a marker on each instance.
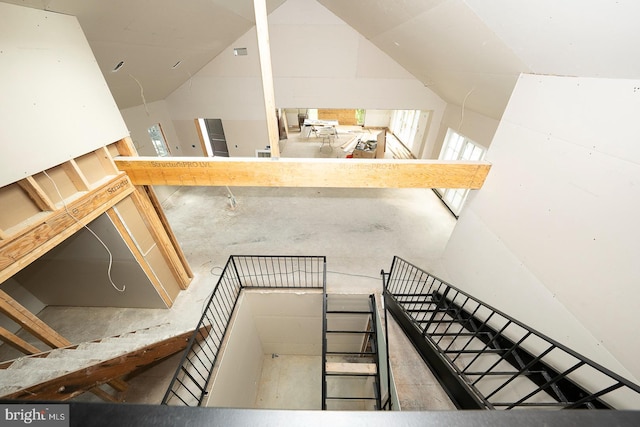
(144, 101)
(66, 208)
(464, 101)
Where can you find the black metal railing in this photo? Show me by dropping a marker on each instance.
(485, 358)
(190, 383)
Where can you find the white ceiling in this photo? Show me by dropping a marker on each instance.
(467, 51)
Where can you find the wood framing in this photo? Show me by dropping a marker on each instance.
(337, 173)
(264, 52)
(16, 342)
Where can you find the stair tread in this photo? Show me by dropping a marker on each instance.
(350, 368)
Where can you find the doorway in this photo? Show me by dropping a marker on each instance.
(214, 138)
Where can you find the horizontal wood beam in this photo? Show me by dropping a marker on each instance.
(336, 173)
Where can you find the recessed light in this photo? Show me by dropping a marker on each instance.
(117, 67)
(239, 51)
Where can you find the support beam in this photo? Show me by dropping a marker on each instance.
(264, 51)
(336, 173)
(30, 322)
(16, 342)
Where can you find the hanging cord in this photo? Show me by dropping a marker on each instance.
(66, 208)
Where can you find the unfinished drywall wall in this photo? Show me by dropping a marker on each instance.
(318, 61)
(75, 273)
(288, 322)
(139, 119)
(475, 126)
(55, 103)
(552, 236)
(235, 381)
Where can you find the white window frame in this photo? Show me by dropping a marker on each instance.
(458, 147)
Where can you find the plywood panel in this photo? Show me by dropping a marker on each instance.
(336, 173)
(16, 206)
(92, 168)
(346, 117)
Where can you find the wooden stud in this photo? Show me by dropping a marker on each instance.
(22, 248)
(3, 235)
(37, 194)
(336, 173)
(131, 244)
(264, 52)
(126, 147)
(16, 342)
(76, 176)
(153, 199)
(30, 322)
(106, 160)
(75, 383)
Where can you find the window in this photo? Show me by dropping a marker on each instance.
(458, 147)
(158, 140)
(404, 125)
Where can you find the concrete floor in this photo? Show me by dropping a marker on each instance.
(359, 230)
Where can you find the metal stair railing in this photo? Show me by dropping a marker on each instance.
(486, 359)
(189, 385)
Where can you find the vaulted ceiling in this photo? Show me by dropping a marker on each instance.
(467, 51)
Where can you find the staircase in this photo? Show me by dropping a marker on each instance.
(351, 371)
(63, 373)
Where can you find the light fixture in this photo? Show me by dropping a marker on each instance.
(239, 51)
(117, 67)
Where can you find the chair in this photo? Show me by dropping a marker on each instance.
(328, 135)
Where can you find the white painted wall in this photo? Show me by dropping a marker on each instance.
(55, 103)
(551, 238)
(377, 118)
(318, 61)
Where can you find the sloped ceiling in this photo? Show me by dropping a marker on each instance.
(470, 52)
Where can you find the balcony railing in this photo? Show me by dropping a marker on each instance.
(485, 358)
(190, 383)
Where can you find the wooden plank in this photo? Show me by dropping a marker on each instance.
(23, 248)
(131, 244)
(30, 322)
(337, 173)
(3, 235)
(37, 194)
(351, 368)
(76, 176)
(106, 160)
(201, 138)
(153, 199)
(75, 383)
(16, 342)
(126, 148)
(264, 52)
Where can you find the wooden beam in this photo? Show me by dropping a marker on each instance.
(37, 194)
(30, 322)
(75, 383)
(201, 138)
(16, 342)
(156, 228)
(131, 244)
(337, 173)
(264, 52)
(76, 176)
(23, 248)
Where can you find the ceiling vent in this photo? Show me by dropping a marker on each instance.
(239, 51)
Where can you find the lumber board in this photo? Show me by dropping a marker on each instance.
(23, 248)
(336, 173)
(16, 342)
(30, 322)
(75, 383)
(76, 176)
(264, 53)
(37, 194)
(350, 368)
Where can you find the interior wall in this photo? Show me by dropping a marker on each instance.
(551, 238)
(55, 103)
(139, 119)
(74, 273)
(475, 126)
(377, 118)
(318, 61)
(235, 384)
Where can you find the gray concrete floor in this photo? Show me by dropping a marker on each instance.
(359, 230)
